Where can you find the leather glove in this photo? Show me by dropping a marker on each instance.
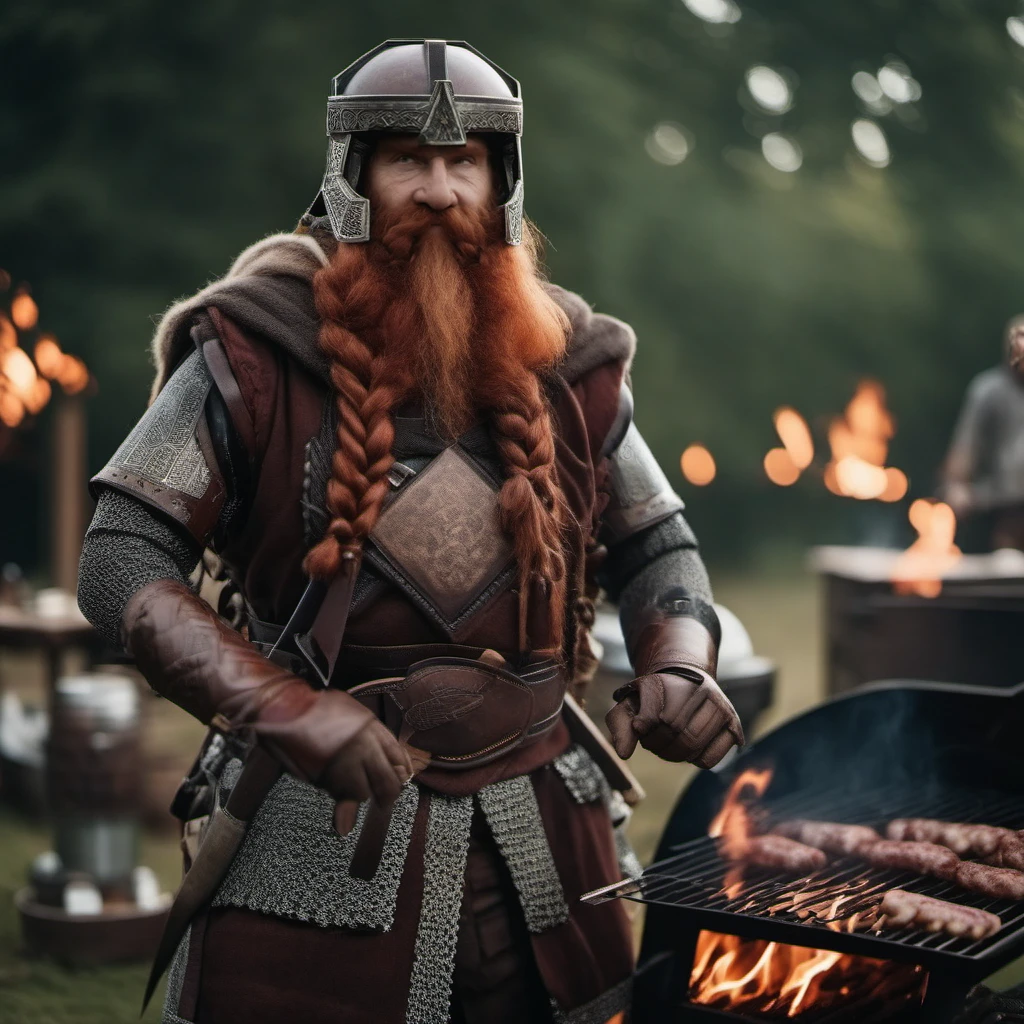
(674, 707)
(326, 737)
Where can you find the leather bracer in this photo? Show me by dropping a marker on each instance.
(190, 656)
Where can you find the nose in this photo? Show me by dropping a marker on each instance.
(436, 188)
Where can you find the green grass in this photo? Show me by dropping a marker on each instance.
(34, 991)
(780, 612)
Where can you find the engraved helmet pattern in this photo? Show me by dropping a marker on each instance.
(439, 89)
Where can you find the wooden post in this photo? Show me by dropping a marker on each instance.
(69, 489)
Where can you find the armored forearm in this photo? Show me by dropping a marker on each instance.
(196, 660)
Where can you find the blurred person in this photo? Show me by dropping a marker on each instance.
(389, 426)
(984, 469)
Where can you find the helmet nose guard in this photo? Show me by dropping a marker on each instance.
(441, 90)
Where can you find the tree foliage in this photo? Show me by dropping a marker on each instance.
(145, 144)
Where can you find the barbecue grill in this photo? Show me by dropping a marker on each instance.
(892, 750)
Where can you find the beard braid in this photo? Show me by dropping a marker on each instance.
(437, 305)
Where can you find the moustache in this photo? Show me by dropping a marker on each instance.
(401, 234)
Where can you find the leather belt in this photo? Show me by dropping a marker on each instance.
(465, 712)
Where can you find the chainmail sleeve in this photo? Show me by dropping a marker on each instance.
(127, 546)
(657, 564)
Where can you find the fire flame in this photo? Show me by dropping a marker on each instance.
(919, 570)
(698, 465)
(25, 386)
(735, 823)
(758, 977)
(859, 440)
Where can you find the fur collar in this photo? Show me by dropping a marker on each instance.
(267, 291)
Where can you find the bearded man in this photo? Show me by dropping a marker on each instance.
(415, 458)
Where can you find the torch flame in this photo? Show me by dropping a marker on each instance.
(25, 387)
(920, 569)
(859, 441)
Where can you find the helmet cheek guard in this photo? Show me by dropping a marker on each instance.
(439, 89)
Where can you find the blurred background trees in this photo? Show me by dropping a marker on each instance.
(782, 197)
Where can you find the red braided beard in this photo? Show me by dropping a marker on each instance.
(453, 315)
(461, 312)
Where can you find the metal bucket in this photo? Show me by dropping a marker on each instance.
(94, 779)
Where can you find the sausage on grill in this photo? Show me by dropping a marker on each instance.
(1004, 883)
(922, 858)
(827, 835)
(783, 854)
(901, 909)
(1009, 853)
(962, 838)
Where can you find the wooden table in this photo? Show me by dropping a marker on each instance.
(52, 635)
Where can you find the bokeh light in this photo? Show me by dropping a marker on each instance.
(48, 356)
(72, 375)
(12, 411)
(717, 12)
(896, 485)
(8, 335)
(5, 280)
(1015, 26)
(698, 465)
(795, 436)
(18, 369)
(769, 89)
(866, 86)
(898, 84)
(780, 468)
(782, 152)
(871, 142)
(668, 143)
(37, 396)
(24, 311)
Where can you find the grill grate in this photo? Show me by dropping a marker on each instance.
(692, 879)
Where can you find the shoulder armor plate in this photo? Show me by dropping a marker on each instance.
(641, 495)
(167, 460)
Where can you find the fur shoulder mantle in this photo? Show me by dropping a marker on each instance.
(267, 291)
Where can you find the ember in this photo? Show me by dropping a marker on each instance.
(753, 977)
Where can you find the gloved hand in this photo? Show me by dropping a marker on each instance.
(674, 707)
(193, 658)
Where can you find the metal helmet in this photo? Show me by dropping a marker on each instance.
(438, 88)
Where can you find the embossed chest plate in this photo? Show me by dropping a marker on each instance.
(440, 539)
